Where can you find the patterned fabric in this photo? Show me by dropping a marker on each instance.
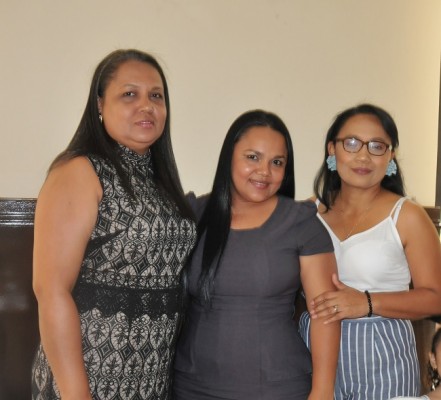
(128, 292)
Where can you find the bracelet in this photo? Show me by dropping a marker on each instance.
(368, 295)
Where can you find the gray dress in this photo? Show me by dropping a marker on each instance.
(128, 293)
(247, 346)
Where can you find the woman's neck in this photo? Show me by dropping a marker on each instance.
(249, 215)
(356, 200)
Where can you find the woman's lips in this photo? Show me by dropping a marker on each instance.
(362, 171)
(260, 184)
(145, 123)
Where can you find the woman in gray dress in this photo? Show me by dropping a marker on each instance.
(112, 233)
(256, 246)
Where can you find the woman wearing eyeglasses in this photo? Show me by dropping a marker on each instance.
(382, 242)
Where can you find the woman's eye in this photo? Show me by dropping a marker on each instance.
(353, 143)
(252, 157)
(378, 145)
(279, 163)
(129, 94)
(157, 96)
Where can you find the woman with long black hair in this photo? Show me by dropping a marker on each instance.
(256, 246)
(112, 234)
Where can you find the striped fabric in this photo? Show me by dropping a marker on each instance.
(377, 358)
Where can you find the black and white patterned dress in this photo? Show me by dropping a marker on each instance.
(128, 292)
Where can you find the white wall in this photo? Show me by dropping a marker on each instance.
(303, 59)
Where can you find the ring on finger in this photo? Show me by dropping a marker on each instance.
(335, 309)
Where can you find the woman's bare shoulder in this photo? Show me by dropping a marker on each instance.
(72, 178)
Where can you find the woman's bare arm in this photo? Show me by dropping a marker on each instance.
(316, 273)
(66, 213)
(423, 252)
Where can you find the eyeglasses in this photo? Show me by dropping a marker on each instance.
(375, 147)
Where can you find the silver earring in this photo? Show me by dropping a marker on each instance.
(100, 117)
(391, 168)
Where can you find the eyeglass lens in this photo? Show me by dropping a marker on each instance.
(354, 145)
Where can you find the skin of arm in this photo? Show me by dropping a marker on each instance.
(316, 272)
(423, 252)
(66, 214)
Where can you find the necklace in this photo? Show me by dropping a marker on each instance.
(359, 220)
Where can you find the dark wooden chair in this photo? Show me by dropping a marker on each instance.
(18, 308)
(425, 329)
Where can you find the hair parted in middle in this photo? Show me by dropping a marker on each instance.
(327, 183)
(91, 136)
(216, 218)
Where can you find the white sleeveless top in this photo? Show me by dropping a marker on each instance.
(374, 259)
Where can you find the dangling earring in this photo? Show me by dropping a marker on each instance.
(391, 168)
(435, 379)
(433, 372)
(100, 117)
(332, 163)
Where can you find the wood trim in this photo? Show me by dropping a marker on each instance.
(17, 211)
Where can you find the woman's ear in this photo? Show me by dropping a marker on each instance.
(432, 360)
(331, 148)
(99, 101)
(392, 155)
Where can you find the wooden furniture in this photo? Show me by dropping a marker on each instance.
(18, 307)
(425, 329)
(434, 214)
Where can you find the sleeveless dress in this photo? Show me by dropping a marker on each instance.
(128, 292)
(378, 358)
(247, 345)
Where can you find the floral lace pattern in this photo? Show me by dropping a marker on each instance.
(128, 292)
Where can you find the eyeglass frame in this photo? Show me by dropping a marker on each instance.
(342, 140)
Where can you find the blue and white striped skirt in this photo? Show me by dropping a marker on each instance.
(377, 360)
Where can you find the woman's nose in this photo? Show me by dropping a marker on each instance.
(264, 170)
(147, 107)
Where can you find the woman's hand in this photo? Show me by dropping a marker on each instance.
(344, 303)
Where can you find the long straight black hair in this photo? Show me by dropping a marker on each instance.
(327, 183)
(91, 136)
(216, 218)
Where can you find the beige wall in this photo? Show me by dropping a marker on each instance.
(305, 60)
